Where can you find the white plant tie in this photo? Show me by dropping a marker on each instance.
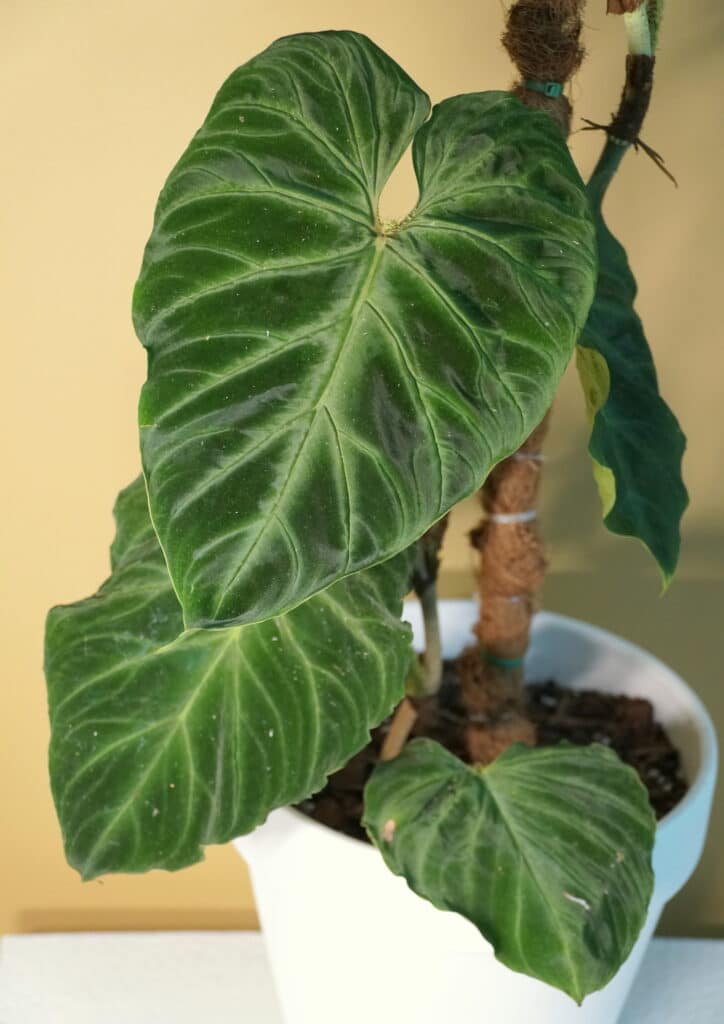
(513, 517)
(528, 456)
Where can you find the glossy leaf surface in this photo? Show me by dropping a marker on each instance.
(163, 743)
(322, 387)
(546, 851)
(636, 443)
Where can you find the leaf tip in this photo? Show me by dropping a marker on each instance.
(667, 578)
(86, 869)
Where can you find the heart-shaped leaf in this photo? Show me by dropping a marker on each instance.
(636, 443)
(323, 387)
(164, 741)
(546, 851)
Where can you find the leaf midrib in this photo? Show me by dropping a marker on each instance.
(319, 405)
(485, 779)
(180, 717)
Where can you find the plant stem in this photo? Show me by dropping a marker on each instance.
(607, 164)
(424, 582)
(425, 676)
(638, 32)
(400, 728)
(432, 657)
(656, 14)
(625, 129)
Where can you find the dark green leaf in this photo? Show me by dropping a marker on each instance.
(546, 851)
(636, 443)
(323, 387)
(162, 742)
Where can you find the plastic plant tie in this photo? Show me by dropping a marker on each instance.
(513, 517)
(494, 659)
(550, 89)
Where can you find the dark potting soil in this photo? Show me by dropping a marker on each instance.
(625, 724)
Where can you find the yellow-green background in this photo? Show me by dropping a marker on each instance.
(98, 101)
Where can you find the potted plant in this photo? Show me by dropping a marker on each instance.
(323, 387)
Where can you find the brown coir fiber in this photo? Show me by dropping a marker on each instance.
(542, 38)
(512, 562)
(512, 568)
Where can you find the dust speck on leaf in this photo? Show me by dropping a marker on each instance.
(579, 900)
(388, 830)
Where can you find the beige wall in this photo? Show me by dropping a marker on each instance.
(99, 99)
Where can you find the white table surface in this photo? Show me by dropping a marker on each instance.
(215, 977)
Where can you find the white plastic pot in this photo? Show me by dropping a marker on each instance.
(350, 943)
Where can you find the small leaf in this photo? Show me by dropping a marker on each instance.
(323, 388)
(636, 443)
(546, 851)
(596, 382)
(165, 741)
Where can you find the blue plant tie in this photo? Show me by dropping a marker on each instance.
(551, 89)
(493, 659)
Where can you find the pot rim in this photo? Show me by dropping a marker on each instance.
(699, 715)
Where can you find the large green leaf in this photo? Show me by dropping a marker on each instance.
(636, 442)
(547, 852)
(162, 742)
(323, 387)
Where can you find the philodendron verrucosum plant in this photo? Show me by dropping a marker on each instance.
(322, 388)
